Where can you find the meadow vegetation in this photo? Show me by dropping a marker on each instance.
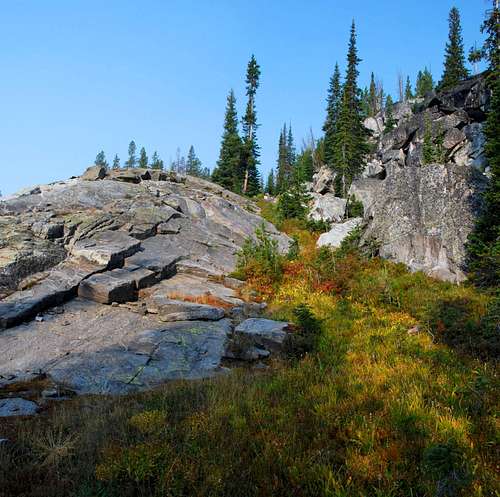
(387, 388)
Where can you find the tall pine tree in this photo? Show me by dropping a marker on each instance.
(132, 159)
(390, 122)
(116, 162)
(408, 90)
(372, 96)
(350, 144)
(425, 83)
(250, 157)
(484, 241)
(283, 172)
(143, 158)
(270, 184)
(193, 163)
(454, 63)
(156, 162)
(332, 112)
(290, 148)
(229, 164)
(304, 167)
(100, 160)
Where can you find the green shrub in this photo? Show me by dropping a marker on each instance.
(351, 242)
(319, 225)
(260, 256)
(305, 338)
(446, 466)
(354, 207)
(292, 204)
(293, 249)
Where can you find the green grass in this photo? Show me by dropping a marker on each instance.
(370, 411)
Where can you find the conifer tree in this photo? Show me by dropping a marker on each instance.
(116, 162)
(100, 160)
(365, 102)
(390, 122)
(373, 96)
(332, 112)
(270, 185)
(454, 64)
(425, 83)
(491, 26)
(350, 138)
(304, 168)
(193, 163)
(132, 159)
(249, 180)
(290, 148)
(156, 162)
(143, 158)
(284, 173)
(229, 164)
(484, 241)
(408, 90)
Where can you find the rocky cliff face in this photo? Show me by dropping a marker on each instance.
(155, 246)
(421, 214)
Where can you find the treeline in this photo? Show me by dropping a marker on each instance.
(183, 165)
(374, 99)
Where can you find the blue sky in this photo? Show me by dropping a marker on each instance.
(79, 76)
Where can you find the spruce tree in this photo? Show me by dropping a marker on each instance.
(156, 162)
(132, 159)
(425, 83)
(193, 164)
(283, 172)
(100, 160)
(372, 96)
(390, 122)
(350, 138)
(332, 112)
(304, 168)
(290, 148)
(249, 180)
(227, 170)
(491, 26)
(270, 185)
(484, 241)
(454, 64)
(116, 162)
(143, 158)
(365, 102)
(408, 90)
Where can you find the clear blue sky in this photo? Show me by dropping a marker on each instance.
(79, 76)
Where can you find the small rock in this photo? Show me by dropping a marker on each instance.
(94, 173)
(17, 407)
(39, 318)
(338, 233)
(414, 331)
(263, 333)
(261, 365)
(327, 207)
